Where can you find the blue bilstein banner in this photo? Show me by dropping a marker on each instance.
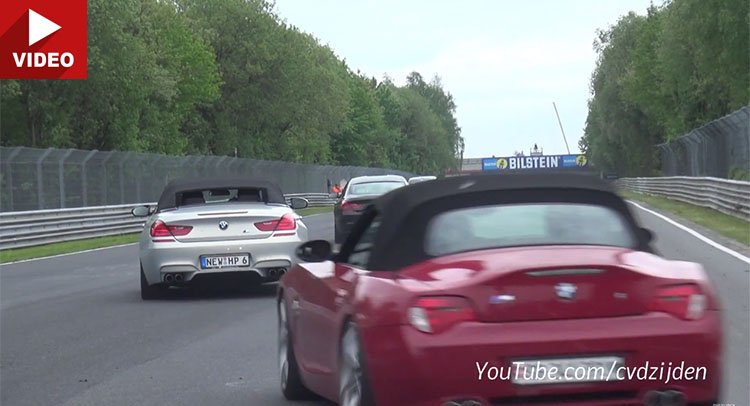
(534, 162)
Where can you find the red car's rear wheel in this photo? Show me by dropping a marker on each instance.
(353, 384)
(291, 382)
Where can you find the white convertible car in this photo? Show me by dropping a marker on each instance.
(234, 227)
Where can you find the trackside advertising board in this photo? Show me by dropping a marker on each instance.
(534, 162)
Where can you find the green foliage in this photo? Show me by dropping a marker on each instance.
(20, 254)
(358, 141)
(738, 174)
(729, 226)
(660, 75)
(226, 76)
(147, 72)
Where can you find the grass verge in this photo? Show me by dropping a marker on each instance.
(83, 245)
(724, 224)
(65, 247)
(314, 210)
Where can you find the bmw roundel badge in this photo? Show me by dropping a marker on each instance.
(566, 291)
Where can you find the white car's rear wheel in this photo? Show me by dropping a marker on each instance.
(149, 292)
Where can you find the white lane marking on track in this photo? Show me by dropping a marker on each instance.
(317, 214)
(237, 383)
(695, 234)
(66, 254)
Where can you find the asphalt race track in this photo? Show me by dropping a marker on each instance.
(74, 331)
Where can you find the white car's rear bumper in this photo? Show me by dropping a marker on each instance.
(161, 258)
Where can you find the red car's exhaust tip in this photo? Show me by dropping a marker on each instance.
(664, 398)
(466, 402)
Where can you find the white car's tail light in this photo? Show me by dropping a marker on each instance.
(287, 222)
(435, 314)
(683, 301)
(161, 229)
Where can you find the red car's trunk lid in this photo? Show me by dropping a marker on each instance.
(540, 283)
(559, 293)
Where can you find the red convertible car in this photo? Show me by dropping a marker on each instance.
(530, 289)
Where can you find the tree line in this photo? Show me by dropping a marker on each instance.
(659, 75)
(226, 77)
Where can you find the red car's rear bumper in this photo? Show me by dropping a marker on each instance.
(407, 367)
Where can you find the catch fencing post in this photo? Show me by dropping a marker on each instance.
(39, 178)
(61, 175)
(122, 179)
(106, 178)
(9, 174)
(138, 173)
(153, 173)
(84, 189)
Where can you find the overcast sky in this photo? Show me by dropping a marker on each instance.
(505, 62)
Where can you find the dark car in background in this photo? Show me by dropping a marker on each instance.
(419, 179)
(359, 192)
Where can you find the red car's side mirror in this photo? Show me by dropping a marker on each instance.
(646, 234)
(342, 271)
(315, 251)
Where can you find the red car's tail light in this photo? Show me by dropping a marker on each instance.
(349, 207)
(285, 223)
(683, 301)
(161, 229)
(435, 314)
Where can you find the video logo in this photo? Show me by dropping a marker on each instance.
(43, 39)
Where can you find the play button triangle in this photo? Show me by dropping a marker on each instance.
(39, 27)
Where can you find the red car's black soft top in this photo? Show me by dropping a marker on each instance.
(405, 213)
(174, 189)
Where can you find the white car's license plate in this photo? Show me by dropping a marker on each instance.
(566, 370)
(224, 261)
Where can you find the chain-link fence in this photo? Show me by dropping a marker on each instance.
(716, 149)
(34, 179)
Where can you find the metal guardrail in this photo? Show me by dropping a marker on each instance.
(313, 199)
(39, 227)
(727, 196)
